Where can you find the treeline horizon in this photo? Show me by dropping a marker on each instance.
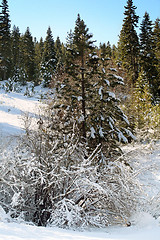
(24, 58)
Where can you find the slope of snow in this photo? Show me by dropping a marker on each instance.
(144, 226)
(14, 231)
(12, 108)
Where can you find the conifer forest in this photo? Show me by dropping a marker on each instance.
(70, 170)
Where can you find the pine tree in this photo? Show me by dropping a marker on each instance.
(15, 53)
(4, 41)
(85, 94)
(147, 53)
(49, 58)
(108, 124)
(27, 56)
(141, 102)
(128, 44)
(60, 57)
(114, 51)
(39, 49)
(156, 39)
(82, 47)
(109, 50)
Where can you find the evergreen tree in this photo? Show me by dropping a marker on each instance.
(147, 53)
(114, 51)
(15, 53)
(128, 44)
(27, 56)
(141, 102)
(108, 124)
(103, 49)
(156, 38)
(109, 50)
(49, 58)
(82, 47)
(85, 94)
(4, 41)
(39, 49)
(60, 56)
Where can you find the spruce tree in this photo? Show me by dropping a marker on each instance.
(142, 102)
(39, 49)
(82, 47)
(156, 39)
(85, 94)
(128, 44)
(148, 59)
(5, 47)
(15, 53)
(60, 55)
(49, 58)
(28, 56)
(108, 124)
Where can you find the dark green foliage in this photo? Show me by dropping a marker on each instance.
(156, 39)
(5, 41)
(108, 123)
(85, 94)
(148, 59)
(39, 49)
(15, 54)
(49, 58)
(60, 54)
(27, 56)
(76, 83)
(128, 44)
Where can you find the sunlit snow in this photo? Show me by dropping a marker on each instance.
(144, 225)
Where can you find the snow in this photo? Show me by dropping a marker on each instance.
(144, 225)
(22, 231)
(13, 106)
(107, 81)
(101, 92)
(111, 94)
(92, 132)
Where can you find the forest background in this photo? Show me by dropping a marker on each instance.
(102, 96)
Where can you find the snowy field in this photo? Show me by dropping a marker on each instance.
(12, 107)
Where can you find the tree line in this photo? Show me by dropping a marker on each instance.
(26, 59)
(68, 175)
(84, 75)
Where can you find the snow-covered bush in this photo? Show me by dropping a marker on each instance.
(50, 181)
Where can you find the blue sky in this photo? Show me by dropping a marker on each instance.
(104, 18)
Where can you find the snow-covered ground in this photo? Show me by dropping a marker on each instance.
(12, 108)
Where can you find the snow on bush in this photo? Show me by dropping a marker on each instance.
(49, 182)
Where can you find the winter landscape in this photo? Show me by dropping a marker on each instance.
(79, 124)
(145, 157)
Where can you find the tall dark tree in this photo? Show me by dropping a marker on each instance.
(49, 58)
(60, 56)
(148, 59)
(75, 84)
(83, 45)
(15, 53)
(28, 55)
(128, 44)
(5, 50)
(39, 49)
(156, 38)
(85, 94)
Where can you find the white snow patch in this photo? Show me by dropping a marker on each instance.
(100, 92)
(101, 133)
(92, 132)
(107, 81)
